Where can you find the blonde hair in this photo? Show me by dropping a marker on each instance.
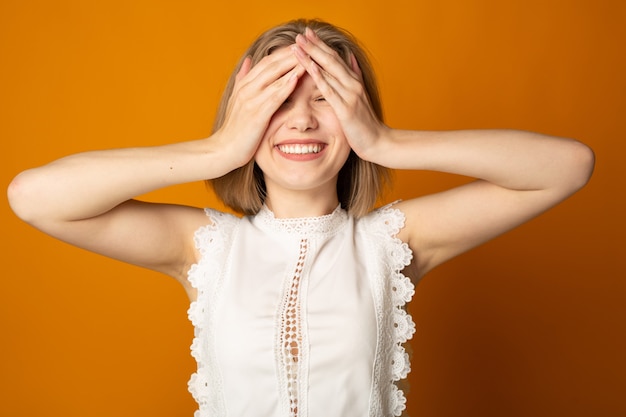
(360, 182)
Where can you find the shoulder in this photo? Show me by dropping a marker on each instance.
(207, 232)
(382, 229)
(385, 225)
(388, 220)
(195, 219)
(217, 217)
(214, 226)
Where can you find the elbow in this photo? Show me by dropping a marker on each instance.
(582, 163)
(22, 198)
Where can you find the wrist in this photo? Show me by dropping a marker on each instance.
(223, 154)
(377, 150)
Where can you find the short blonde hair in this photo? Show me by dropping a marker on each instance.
(360, 182)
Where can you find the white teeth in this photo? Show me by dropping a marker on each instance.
(300, 149)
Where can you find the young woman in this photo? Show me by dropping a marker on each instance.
(298, 305)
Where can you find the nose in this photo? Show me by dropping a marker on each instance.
(301, 116)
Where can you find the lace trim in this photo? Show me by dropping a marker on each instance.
(396, 324)
(290, 344)
(205, 276)
(302, 226)
(392, 290)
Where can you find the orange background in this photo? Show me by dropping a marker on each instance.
(531, 324)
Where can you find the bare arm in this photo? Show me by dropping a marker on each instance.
(519, 174)
(87, 199)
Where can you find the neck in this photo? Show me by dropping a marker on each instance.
(290, 203)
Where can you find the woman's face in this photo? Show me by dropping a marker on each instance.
(304, 146)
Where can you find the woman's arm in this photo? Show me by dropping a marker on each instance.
(87, 199)
(519, 174)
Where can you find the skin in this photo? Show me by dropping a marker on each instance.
(302, 93)
(306, 182)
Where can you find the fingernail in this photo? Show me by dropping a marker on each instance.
(302, 38)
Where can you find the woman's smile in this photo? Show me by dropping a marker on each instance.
(301, 150)
(304, 145)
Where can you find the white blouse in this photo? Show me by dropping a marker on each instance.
(300, 317)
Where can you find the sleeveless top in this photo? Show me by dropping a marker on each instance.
(300, 317)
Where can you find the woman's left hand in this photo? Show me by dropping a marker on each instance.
(342, 87)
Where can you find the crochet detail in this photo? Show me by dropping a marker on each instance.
(303, 226)
(205, 384)
(386, 256)
(395, 290)
(290, 343)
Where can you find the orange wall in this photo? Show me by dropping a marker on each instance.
(531, 324)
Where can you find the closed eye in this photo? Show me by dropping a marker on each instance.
(286, 103)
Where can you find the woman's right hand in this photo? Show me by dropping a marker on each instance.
(87, 199)
(258, 93)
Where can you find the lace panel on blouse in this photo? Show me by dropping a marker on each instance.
(290, 334)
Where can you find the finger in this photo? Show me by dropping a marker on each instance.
(245, 68)
(253, 108)
(326, 83)
(325, 56)
(273, 66)
(325, 80)
(270, 98)
(268, 84)
(355, 66)
(347, 78)
(312, 37)
(287, 83)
